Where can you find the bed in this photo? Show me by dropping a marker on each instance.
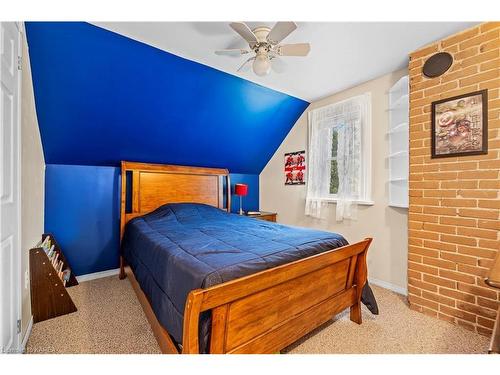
(216, 282)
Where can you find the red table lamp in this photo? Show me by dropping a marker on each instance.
(241, 190)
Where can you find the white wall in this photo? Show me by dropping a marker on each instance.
(32, 179)
(387, 257)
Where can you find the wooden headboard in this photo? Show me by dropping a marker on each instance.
(146, 187)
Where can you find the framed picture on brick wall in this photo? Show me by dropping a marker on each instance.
(460, 125)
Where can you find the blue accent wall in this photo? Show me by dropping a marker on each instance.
(82, 210)
(101, 97)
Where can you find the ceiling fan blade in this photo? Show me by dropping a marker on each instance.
(232, 52)
(298, 49)
(277, 64)
(244, 67)
(280, 31)
(244, 31)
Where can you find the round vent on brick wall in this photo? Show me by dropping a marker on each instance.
(437, 64)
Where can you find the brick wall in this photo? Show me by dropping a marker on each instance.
(454, 226)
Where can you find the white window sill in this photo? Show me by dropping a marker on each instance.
(360, 202)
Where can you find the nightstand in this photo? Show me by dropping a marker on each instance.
(268, 216)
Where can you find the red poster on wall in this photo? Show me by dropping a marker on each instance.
(295, 168)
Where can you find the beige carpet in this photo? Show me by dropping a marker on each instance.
(110, 320)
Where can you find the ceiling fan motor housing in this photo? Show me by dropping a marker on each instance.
(261, 33)
(262, 47)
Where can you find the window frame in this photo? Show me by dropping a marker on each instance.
(365, 196)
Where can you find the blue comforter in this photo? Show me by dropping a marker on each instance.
(184, 246)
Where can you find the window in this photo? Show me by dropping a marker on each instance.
(334, 174)
(339, 156)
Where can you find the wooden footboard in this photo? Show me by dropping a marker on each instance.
(269, 310)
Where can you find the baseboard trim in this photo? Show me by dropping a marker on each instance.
(27, 335)
(97, 275)
(386, 285)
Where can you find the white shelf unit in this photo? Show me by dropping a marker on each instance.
(398, 143)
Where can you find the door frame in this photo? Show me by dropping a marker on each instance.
(20, 337)
(17, 343)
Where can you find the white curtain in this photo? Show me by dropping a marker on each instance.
(318, 175)
(347, 119)
(348, 166)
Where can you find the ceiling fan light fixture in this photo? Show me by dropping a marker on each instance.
(261, 65)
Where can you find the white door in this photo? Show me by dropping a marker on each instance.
(10, 248)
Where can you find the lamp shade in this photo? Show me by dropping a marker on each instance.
(241, 189)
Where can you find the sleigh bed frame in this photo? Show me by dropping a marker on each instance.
(260, 313)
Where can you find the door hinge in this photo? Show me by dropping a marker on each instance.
(18, 325)
(19, 63)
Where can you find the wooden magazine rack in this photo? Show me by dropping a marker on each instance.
(49, 297)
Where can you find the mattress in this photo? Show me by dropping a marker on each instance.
(184, 246)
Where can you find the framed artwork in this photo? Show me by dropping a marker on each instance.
(460, 125)
(295, 168)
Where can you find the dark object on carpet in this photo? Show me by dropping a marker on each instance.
(368, 299)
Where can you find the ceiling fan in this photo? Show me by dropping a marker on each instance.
(264, 42)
